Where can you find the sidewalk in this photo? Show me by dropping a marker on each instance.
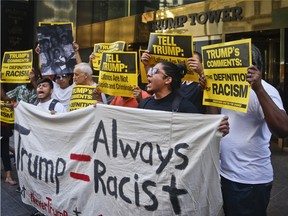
(11, 204)
(278, 205)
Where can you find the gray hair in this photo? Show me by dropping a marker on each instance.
(84, 68)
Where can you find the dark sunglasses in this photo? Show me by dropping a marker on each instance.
(58, 77)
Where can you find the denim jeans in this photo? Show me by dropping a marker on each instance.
(245, 199)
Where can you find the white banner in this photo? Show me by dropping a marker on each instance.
(112, 160)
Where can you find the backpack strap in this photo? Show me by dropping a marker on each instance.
(176, 102)
(143, 106)
(53, 104)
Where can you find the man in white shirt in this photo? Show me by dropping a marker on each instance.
(44, 92)
(246, 169)
(83, 76)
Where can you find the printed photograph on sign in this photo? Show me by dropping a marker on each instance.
(225, 67)
(56, 50)
(59, 23)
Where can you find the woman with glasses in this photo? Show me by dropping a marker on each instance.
(163, 81)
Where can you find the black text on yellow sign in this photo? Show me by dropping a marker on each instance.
(225, 68)
(82, 96)
(7, 114)
(171, 45)
(16, 67)
(172, 48)
(118, 73)
(227, 56)
(227, 85)
(99, 48)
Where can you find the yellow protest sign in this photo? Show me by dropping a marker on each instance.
(172, 48)
(225, 68)
(118, 73)
(7, 114)
(99, 48)
(16, 66)
(82, 96)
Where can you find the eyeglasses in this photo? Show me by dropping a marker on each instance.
(58, 77)
(152, 71)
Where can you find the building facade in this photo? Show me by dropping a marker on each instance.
(213, 21)
(265, 22)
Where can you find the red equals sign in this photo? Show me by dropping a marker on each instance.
(83, 158)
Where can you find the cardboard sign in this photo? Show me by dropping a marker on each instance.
(99, 48)
(118, 73)
(225, 68)
(82, 96)
(173, 48)
(16, 66)
(7, 114)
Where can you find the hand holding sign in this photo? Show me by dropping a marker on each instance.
(137, 93)
(97, 94)
(225, 66)
(254, 77)
(145, 58)
(195, 64)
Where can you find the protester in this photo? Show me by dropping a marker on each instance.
(83, 76)
(163, 80)
(6, 132)
(44, 93)
(26, 93)
(246, 169)
(191, 89)
(188, 89)
(62, 89)
(165, 89)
